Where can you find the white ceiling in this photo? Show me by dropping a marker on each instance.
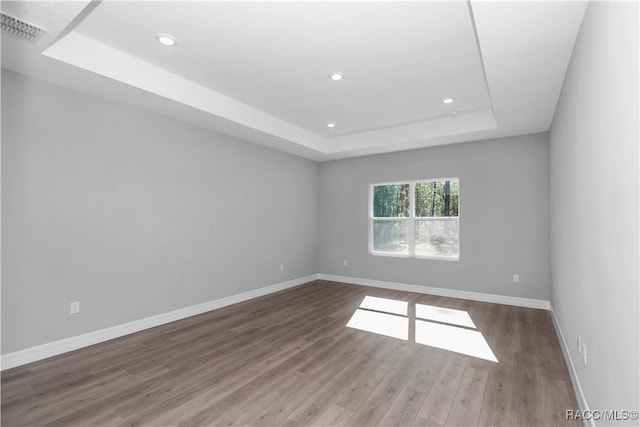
(260, 70)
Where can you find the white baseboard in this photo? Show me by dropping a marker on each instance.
(55, 348)
(43, 351)
(582, 402)
(452, 293)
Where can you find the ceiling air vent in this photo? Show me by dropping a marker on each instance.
(19, 28)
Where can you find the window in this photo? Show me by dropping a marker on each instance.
(415, 219)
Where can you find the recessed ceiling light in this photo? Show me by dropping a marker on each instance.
(448, 100)
(166, 39)
(331, 125)
(336, 76)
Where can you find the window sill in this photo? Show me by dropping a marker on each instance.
(392, 255)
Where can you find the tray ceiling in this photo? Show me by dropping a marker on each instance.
(260, 70)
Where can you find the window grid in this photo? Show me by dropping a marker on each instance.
(412, 220)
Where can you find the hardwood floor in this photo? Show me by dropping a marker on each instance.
(288, 359)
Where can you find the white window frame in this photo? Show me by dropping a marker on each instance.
(411, 220)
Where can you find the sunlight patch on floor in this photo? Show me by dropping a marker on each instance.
(444, 315)
(444, 328)
(386, 305)
(452, 338)
(380, 323)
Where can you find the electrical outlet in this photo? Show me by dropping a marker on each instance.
(346, 262)
(281, 267)
(74, 307)
(516, 278)
(579, 344)
(584, 355)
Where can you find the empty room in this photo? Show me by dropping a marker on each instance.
(320, 213)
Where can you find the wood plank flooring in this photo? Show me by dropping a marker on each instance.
(288, 359)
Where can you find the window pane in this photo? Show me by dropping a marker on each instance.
(390, 236)
(391, 201)
(437, 237)
(437, 198)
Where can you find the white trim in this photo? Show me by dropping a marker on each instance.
(452, 293)
(582, 401)
(439, 257)
(390, 254)
(411, 232)
(43, 351)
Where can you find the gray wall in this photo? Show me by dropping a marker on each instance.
(504, 216)
(594, 206)
(134, 214)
